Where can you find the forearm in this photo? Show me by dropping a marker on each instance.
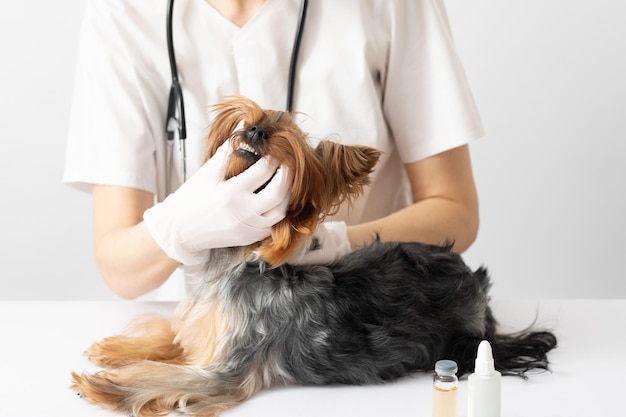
(444, 209)
(130, 262)
(435, 221)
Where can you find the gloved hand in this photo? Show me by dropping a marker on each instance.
(208, 212)
(329, 243)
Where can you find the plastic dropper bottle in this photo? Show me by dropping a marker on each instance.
(484, 385)
(445, 385)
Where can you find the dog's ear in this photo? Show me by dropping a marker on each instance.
(347, 169)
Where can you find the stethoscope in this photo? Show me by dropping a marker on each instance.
(175, 124)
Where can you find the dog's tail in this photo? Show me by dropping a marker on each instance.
(519, 353)
(514, 354)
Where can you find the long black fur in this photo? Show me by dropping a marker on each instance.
(375, 315)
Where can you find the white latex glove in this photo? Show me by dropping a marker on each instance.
(329, 243)
(207, 212)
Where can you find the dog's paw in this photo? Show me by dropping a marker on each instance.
(101, 354)
(95, 355)
(100, 389)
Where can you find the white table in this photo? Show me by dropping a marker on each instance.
(41, 342)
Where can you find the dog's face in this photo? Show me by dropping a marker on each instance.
(323, 177)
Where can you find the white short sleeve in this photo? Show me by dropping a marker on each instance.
(427, 101)
(111, 139)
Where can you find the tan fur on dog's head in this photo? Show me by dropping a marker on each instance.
(323, 177)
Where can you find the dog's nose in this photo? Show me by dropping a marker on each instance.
(256, 134)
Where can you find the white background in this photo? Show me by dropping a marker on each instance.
(549, 77)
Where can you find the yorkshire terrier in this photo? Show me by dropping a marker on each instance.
(251, 320)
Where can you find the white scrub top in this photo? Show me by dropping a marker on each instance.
(382, 73)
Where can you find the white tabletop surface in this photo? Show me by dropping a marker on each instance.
(41, 342)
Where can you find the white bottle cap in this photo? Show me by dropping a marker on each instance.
(484, 359)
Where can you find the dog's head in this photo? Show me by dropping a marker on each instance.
(323, 177)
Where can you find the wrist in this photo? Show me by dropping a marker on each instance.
(329, 243)
(160, 225)
(338, 232)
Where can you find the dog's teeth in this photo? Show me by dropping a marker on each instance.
(247, 148)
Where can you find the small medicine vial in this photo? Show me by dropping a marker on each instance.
(445, 385)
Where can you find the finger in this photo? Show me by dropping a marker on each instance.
(268, 206)
(257, 175)
(275, 193)
(224, 150)
(277, 213)
(215, 167)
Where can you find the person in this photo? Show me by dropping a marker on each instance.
(382, 73)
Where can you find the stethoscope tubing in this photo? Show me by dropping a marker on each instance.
(295, 52)
(176, 120)
(176, 92)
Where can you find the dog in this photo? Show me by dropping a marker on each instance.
(252, 320)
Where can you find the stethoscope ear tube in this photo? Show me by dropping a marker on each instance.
(176, 104)
(295, 52)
